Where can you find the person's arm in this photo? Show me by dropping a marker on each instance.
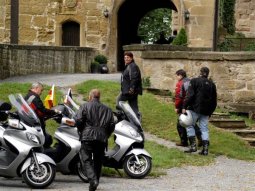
(134, 74)
(80, 118)
(39, 106)
(189, 96)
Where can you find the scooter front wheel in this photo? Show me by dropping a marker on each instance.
(137, 167)
(39, 178)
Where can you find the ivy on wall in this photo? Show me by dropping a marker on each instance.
(228, 15)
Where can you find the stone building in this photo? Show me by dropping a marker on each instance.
(107, 25)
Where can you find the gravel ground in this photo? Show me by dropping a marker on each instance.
(225, 174)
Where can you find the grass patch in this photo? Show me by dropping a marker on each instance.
(159, 119)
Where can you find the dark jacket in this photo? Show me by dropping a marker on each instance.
(201, 96)
(94, 121)
(35, 102)
(131, 78)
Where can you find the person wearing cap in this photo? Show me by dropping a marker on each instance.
(201, 100)
(131, 84)
(95, 124)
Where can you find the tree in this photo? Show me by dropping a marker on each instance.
(181, 38)
(155, 22)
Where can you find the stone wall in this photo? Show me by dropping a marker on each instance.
(233, 72)
(5, 19)
(245, 17)
(18, 60)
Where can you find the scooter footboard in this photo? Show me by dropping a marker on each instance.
(138, 152)
(41, 158)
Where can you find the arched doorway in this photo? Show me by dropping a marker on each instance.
(129, 15)
(70, 34)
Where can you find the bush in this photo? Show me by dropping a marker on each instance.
(101, 59)
(181, 38)
(94, 67)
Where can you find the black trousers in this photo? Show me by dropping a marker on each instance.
(91, 154)
(132, 100)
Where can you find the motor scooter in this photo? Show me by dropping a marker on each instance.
(66, 151)
(21, 144)
(128, 153)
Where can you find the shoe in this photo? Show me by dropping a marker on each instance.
(193, 145)
(182, 144)
(93, 185)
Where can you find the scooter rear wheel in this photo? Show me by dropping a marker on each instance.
(39, 178)
(81, 173)
(135, 169)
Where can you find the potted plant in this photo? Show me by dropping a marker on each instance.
(94, 67)
(102, 60)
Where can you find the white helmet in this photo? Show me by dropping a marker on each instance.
(186, 119)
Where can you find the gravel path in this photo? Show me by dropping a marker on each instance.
(224, 175)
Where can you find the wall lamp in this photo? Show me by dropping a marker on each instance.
(106, 12)
(186, 14)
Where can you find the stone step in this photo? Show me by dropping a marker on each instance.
(246, 133)
(251, 141)
(228, 123)
(216, 115)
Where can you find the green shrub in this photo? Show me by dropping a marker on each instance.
(101, 59)
(250, 47)
(94, 67)
(226, 45)
(181, 38)
(146, 82)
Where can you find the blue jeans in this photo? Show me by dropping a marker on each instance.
(203, 125)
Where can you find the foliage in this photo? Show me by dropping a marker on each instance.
(181, 38)
(94, 67)
(146, 82)
(153, 23)
(228, 15)
(226, 45)
(250, 47)
(101, 59)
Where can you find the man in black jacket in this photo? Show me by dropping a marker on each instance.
(34, 101)
(131, 83)
(201, 100)
(95, 124)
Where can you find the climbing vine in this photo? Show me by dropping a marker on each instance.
(228, 15)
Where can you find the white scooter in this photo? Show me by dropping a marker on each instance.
(22, 139)
(66, 152)
(129, 153)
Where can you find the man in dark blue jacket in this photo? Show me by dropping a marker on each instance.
(131, 83)
(95, 124)
(201, 100)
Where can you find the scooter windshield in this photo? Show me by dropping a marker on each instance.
(25, 112)
(129, 113)
(72, 104)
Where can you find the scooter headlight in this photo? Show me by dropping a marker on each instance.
(33, 138)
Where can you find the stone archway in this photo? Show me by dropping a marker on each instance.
(128, 15)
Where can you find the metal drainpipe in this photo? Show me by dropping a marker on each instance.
(215, 28)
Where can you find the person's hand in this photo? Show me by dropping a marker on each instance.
(131, 91)
(57, 111)
(176, 110)
(183, 110)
